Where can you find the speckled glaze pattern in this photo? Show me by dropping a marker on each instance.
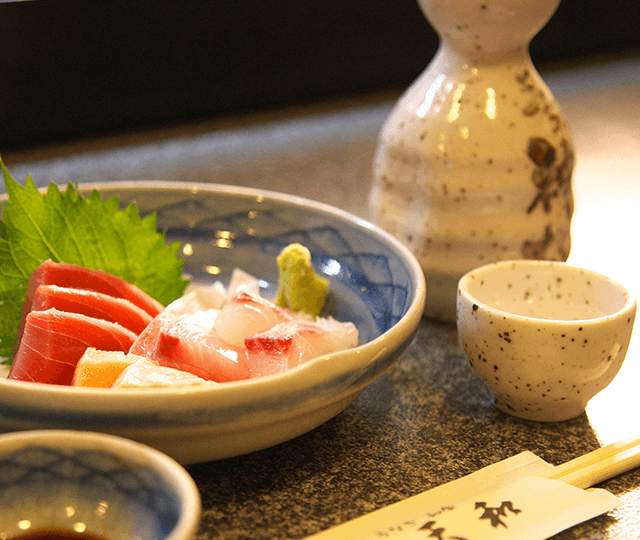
(474, 163)
(545, 336)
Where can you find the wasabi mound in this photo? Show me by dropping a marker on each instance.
(300, 289)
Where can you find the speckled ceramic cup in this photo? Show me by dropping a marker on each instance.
(545, 336)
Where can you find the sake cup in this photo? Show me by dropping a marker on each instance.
(545, 336)
(73, 484)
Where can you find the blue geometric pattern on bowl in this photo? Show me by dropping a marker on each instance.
(379, 292)
(36, 474)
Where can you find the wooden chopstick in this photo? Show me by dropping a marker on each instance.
(599, 465)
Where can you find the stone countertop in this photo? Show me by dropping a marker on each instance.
(429, 420)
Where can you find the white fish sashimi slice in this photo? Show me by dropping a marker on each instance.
(216, 295)
(247, 314)
(190, 303)
(212, 296)
(292, 343)
(190, 343)
(344, 333)
(198, 297)
(243, 281)
(144, 373)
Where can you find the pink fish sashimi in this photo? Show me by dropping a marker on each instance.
(190, 303)
(91, 304)
(191, 344)
(290, 344)
(247, 314)
(54, 341)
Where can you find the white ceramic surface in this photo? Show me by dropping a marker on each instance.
(474, 163)
(93, 483)
(545, 336)
(375, 282)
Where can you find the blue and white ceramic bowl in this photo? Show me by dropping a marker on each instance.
(94, 484)
(375, 281)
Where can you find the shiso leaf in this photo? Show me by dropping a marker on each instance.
(65, 227)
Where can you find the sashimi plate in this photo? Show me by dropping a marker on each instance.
(375, 282)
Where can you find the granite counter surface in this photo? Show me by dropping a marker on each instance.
(429, 420)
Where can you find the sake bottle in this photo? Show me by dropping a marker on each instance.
(474, 163)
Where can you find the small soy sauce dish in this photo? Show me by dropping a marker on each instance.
(63, 484)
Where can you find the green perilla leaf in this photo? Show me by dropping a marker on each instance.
(96, 234)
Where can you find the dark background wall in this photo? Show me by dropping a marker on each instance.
(77, 68)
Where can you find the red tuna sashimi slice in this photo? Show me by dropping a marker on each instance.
(78, 277)
(247, 314)
(91, 304)
(290, 344)
(191, 344)
(54, 341)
